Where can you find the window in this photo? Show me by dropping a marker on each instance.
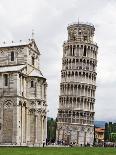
(6, 79)
(33, 61)
(84, 54)
(73, 51)
(79, 32)
(12, 56)
(32, 84)
(85, 38)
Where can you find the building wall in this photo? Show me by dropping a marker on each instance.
(22, 108)
(11, 89)
(99, 135)
(8, 119)
(20, 54)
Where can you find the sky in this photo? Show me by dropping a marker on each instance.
(49, 20)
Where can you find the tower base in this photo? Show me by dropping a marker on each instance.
(78, 135)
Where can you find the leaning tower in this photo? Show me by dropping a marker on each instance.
(77, 88)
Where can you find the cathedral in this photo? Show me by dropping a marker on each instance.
(77, 88)
(23, 107)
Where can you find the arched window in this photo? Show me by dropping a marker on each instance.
(73, 51)
(32, 84)
(33, 61)
(12, 56)
(6, 79)
(70, 50)
(84, 54)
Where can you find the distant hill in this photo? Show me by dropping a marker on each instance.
(100, 124)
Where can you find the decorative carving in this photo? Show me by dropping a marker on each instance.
(8, 104)
(73, 34)
(20, 103)
(32, 103)
(32, 111)
(24, 104)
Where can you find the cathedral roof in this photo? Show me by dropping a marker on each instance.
(13, 44)
(11, 68)
(36, 73)
(31, 43)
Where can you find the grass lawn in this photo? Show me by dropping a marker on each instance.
(56, 151)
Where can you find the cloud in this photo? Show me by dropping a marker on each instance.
(49, 19)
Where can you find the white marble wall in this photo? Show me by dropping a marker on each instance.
(27, 107)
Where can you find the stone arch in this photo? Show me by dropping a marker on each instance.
(70, 99)
(75, 86)
(76, 73)
(20, 103)
(67, 99)
(84, 74)
(71, 87)
(87, 75)
(83, 87)
(72, 73)
(84, 61)
(77, 60)
(24, 104)
(74, 99)
(79, 73)
(90, 75)
(79, 86)
(87, 62)
(77, 46)
(68, 86)
(69, 74)
(69, 61)
(81, 47)
(73, 61)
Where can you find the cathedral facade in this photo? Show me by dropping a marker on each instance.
(23, 107)
(77, 88)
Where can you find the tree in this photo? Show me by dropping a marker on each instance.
(110, 132)
(51, 130)
(106, 133)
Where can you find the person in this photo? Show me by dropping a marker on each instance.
(43, 143)
(71, 144)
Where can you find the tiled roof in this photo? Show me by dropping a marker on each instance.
(99, 130)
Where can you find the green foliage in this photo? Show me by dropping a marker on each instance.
(51, 130)
(106, 133)
(56, 151)
(110, 129)
(113, 137)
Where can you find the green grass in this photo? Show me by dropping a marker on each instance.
(56, 151)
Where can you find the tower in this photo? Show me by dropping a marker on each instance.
(77, 88)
